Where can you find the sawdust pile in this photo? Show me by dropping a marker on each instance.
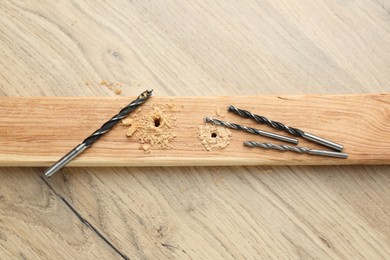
(213, 136)
(154, 128)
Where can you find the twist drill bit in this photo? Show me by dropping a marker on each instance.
(291, 130)
(296, 149)
(250, 130)
(98, 133)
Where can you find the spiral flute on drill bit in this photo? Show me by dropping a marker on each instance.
(98, 133)
(292, 130)
(250, 130)
(297, 149)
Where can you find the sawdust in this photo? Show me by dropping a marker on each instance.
(145, 147)
(128, 121)
(213, 136)
(111, 86)
(155, 127)
(131, 130)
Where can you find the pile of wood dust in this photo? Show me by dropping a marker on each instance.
(213, 136)
(156, 127)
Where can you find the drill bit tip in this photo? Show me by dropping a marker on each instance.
(145, 94)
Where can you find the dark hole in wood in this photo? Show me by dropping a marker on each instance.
(157, 121)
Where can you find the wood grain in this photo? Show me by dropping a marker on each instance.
(196, 48)
(38, 131)
(38, 209)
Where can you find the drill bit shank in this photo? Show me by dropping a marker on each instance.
(296, 149)
(280, 126)
(98, 133)
(250, 130)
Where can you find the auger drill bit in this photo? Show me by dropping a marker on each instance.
(280, 126)
(250, 130)
(98, 133)
(297, 149)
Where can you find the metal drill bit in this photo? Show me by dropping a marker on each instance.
(296, 149)
(251, 130)
(291, 130)
(98, 133)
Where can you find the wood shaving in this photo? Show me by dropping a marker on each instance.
(131, 130)
(145, 148)
(213, 136)
(104, 83)
(127, 121)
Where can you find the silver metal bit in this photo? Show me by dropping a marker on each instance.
(296, 149)
(98, 133)
(251, 130)
(289, 129)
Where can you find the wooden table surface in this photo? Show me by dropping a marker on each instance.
(194, 48)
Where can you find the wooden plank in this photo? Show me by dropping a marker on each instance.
(37, 131)
(196, 48)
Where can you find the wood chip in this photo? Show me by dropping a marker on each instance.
(127, 121)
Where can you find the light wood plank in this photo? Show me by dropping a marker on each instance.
(37, 131)
(197, 48)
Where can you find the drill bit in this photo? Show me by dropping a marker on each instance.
(98, 133)
(291, 130)
(250, 130)
(296, 149)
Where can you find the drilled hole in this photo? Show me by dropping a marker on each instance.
(157, 121)
(213, 135)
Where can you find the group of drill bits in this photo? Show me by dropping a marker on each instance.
(279, 126)
(243, 113)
